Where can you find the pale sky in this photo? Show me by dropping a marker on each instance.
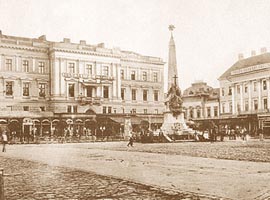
(209, 34)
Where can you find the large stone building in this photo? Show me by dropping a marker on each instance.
(201, 102)
(45, 83)
(245, 92)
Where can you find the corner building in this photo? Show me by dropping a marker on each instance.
(45, 84)
(201, 103)
(245, 93)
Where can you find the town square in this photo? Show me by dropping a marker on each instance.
(117, 99)
(110, 170)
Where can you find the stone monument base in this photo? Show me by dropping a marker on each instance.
(174, 125)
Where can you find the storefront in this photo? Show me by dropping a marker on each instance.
(264, 123)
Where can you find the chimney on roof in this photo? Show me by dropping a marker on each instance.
(253, 53)
(82, 42)
(240, 56)
(101, 45)
(263, 50)
(42, 37)
(66, 40)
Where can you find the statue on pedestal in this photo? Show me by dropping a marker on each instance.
(174, 99)
(174, 123)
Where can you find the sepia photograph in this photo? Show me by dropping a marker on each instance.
(135, 99)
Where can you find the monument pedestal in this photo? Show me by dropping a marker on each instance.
(173, 125)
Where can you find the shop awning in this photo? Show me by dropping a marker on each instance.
(119, 120)
(138, 119)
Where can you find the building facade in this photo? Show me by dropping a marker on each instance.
(45, 83)
(245, 92)
(201, 102)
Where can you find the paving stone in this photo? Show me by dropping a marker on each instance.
(41, 181)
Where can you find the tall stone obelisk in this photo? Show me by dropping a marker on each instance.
(172, 64)
(174, 123)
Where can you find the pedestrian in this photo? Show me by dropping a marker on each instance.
(260, 132)
(4, 140)
(130, 141)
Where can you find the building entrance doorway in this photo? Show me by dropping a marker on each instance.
(27, 129)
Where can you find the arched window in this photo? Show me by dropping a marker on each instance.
(198, 113)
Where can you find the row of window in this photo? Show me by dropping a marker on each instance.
(71, 69)
(238, 90)
(132, 111)
(24, 108)
(134, 94)
(246, 105)
(105, 109)
(88, 69)
(25, 89)
(105, 72)
(72, 109)
(25, 66)
(208, 112)
(145, 76)
(89, 92)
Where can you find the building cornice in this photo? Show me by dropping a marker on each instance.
(34, 49)
(93, 53)
(141, 61)
(83, 52)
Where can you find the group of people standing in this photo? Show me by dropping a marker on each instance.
(232, 133)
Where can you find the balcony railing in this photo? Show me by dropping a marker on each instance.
(89, 100)
(87, 76)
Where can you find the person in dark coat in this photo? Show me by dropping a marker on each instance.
(4, 140)
(130, 141)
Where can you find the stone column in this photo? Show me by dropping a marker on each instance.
(268, 93)
(77, 67)
(128, 73)
(241, 97)
(249, 96)
(114, 83)
(33, 68)
(118, 81)
(101, 91)
(36, 89)
(138, 74)
(16, 64)
(98, 69)
(55, 65)
(3, 61)
(259, 95)
(17, 88)
(98, 91)
(62, 82)
(233, 100)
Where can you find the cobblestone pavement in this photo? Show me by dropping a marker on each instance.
(33, 180)
(164, 171)
(255, 150)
